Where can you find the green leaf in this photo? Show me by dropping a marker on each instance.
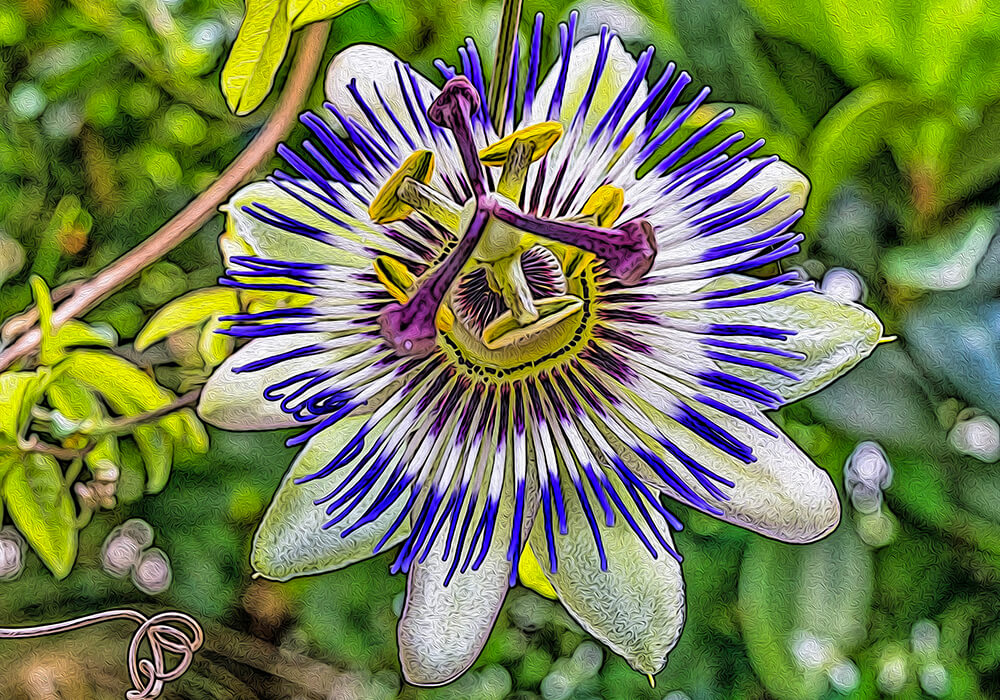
(945, 262)
(41, 507)
(123, 386)
(157, 452)
(256, 55)
(823, 591)
(191, 309)
(850, 134)
(767, 579)
(303, 12)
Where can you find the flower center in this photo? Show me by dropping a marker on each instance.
(513, 322)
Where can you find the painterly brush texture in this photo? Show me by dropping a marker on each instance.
(512, 367)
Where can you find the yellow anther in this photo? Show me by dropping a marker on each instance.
(575, 261)
(394, 277)
(886, 339)
(531, 575)
(505, 330)
(387, 206)
(541, 137)
(652, 681)
(400, 283)
(604, 206)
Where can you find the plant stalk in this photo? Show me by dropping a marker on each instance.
(503, 64)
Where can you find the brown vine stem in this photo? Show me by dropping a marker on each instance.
(124, 424)
(202, 207)
(173, 632)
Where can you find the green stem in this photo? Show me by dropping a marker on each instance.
(503, 64)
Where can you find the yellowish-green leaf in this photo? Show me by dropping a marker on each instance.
(40, 506)
(104, 456)
(74, 400)
(157, 452)
(18, 393)
(73, 333)
(77, 333)
(256, 55)
(191, 309)
(187, 430)
(303, 12)
(47, 353)
(123, 386)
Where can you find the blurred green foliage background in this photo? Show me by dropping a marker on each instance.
(111, 119)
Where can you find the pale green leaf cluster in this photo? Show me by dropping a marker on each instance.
(83, 410)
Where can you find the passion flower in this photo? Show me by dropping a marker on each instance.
(508, 340)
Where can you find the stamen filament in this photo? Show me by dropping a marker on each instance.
(430, 202)
(410, 328)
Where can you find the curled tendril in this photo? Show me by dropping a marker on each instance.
(164, 632)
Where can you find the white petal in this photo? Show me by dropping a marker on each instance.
(673, 224)
(291, 540)
(234, 401)
(783, 494)
(833, 335)
(582, 61)
(443, 628)
(372, 65)
(270, 242)
(636, 606)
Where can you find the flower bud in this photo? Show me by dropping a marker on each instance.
(139, 530)
(557, 685)
(844, 676)
(119, 554)
(934, 679)
(866, 498)
(892, 675)
(976, 435)
(810, 652)
(588, 658)
(152, 574)
(876, 529)
(843, 284)
(11, 554)
(86, 495)
(925, 637)
(868, 464)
